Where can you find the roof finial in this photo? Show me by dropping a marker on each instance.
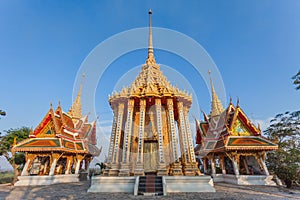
(238, 102)
(150, 59)
(216, 105)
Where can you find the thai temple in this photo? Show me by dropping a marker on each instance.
(228, 141)
(151, 148)
(151, 140)
(149, 112)
(59, 147)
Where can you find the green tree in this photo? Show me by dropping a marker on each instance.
(2, 113)
(285, 162)
(296, 79)
(6, 143)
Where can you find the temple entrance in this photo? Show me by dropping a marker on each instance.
(150, 156)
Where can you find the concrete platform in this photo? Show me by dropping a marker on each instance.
(112, 184)
(46, 180)
(171, 184)
(244, 179)
(189, 184)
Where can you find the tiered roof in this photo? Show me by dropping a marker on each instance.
(64, 132)
(229, 129)
(150, 82)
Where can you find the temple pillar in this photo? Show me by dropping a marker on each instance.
(246, 165)
(213, 165)
(176, 167)
(265, 167)
(182, 130)
(112, 137)
(262, 159)
(55, 157)
(112, 141)
(222, 162)
(124, 168)
(45, 167)
(235, 165)
(30, 158)
(87, 164)
(189, 135)
(205, 165)
(89, 160)
(139, 169)
(190, 141)
(161, 165)
(186, 161)
(69, 165)
(114, 168)
(78, 162)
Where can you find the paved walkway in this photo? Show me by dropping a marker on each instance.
(78, 191)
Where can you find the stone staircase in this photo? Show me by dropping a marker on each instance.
(150, 185)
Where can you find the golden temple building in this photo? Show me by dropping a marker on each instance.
(227, 140)
(151, 131)
(60, 144)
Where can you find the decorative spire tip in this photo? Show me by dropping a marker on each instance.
(150, 60)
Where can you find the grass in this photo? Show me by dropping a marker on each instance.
(6, 177)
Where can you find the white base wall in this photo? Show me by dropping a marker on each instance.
(171, 184)
(189, 184)
(112, 184)
(244, 179)
(46, 180)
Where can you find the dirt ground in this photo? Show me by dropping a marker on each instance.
(79, 191)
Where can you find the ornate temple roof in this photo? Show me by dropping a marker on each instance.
(232, 130)
(150, 81)
(64, 132)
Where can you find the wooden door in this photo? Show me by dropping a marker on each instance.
(150, 156)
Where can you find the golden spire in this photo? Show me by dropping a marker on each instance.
(76, 108)
(216, 105)
(150, 59)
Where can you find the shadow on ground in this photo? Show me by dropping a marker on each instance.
(72, 191)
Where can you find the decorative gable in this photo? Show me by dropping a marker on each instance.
(45, 128)
(240, 125)
(239, 129)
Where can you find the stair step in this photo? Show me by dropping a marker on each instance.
(150, 185)
(151, 193)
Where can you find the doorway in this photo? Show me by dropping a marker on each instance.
(150, 156)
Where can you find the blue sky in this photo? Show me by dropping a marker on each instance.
(254, 43)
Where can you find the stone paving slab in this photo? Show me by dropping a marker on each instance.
(74, 191)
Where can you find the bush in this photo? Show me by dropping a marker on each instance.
(6, 177)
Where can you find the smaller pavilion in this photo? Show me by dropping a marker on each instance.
(232, 146)
(62, 144)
